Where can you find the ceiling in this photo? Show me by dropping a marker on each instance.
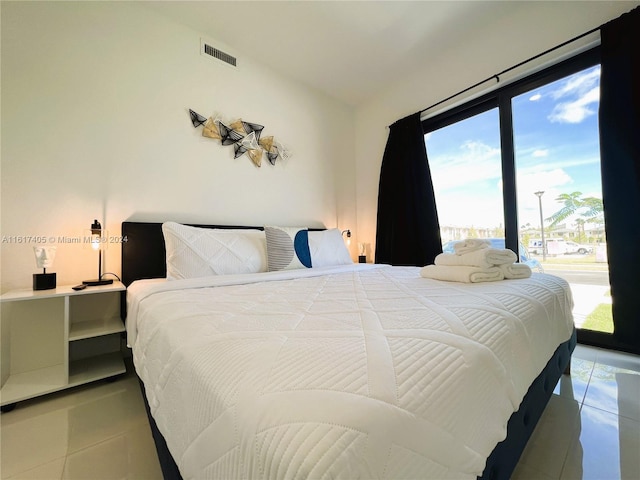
(353, 49)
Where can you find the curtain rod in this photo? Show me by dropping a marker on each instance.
(497, 75)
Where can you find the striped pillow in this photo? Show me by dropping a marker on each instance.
(287, 248)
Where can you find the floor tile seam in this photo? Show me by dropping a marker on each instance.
(562, 398)
(586, 387)
(618, 414)
(581, 400)
(589, 354)
(546, 474)
(586, 390)
(588, 404)
(618, 368)
(536, 469)
(64, 467)
(593, 367)
(609, 355)
(596, 351)
(564, 462)
(88, 447)
(130, 428)
(577, 439)
(635, 420)
(573, 436)
(19, 474)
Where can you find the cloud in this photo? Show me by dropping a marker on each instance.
(552, 182)
(535, 98)
(577, 110)
(577, 93)
(466, 185)
(455, 210)
(560, 159)
(541, 153)
(474, 162)
(577, 83)
(547, 180)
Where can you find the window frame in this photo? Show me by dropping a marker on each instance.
(502, 98)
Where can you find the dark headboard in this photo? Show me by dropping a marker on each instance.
(143, 251)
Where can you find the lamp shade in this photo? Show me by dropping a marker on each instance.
(96, 233)
(97, 244)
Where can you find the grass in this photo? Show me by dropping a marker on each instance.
(583, 262)
(600, 319)
(576, 268)
(569, 259)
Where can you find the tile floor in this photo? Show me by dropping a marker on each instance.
(590, 430)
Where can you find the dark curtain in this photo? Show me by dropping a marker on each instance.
(620, 160)
(408, 232)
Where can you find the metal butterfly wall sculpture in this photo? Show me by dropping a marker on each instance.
(246, 138)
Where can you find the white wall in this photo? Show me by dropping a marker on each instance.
(95, 124)
(525, 29)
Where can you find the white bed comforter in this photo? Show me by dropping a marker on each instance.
(349, 372)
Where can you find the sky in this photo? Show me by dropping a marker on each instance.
(556, 146)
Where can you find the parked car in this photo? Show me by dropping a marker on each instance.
(573, 247)
(499, 243)
(555, 246)
(558, 246)
(535, 246)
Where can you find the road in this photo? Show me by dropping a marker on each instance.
(582, 277)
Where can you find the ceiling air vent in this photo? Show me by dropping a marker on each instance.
(219, 54)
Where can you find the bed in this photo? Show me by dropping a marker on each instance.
(340, 370)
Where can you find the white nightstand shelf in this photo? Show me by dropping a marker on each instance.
(59, 338)
(95, 368)
(95, 328)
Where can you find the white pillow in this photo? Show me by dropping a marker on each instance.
(327, 248)
(199, 252)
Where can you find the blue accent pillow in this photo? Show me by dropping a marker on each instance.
(287, 248)
(301, 246)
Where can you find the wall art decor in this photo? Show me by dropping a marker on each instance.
(244, 136)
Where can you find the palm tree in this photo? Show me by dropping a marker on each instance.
(580, 227)
(594, 209)
(589, 208)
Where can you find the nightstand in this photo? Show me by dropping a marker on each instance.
(57, 339)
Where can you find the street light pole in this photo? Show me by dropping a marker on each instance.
(544, 244)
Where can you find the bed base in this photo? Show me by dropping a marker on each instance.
(143, 256)
(505, 456)
(167, 463)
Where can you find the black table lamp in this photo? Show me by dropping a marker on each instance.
(96, 244)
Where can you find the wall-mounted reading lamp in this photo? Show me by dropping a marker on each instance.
(348, 234)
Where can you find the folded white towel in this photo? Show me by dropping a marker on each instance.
(462, 273)
(515, 270)
(485, 257)
(470, 245)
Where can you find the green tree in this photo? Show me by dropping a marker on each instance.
(498, 232)
(590, 209)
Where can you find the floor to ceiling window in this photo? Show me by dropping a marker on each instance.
(465, 163)
(557, 159)
(523, 165)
